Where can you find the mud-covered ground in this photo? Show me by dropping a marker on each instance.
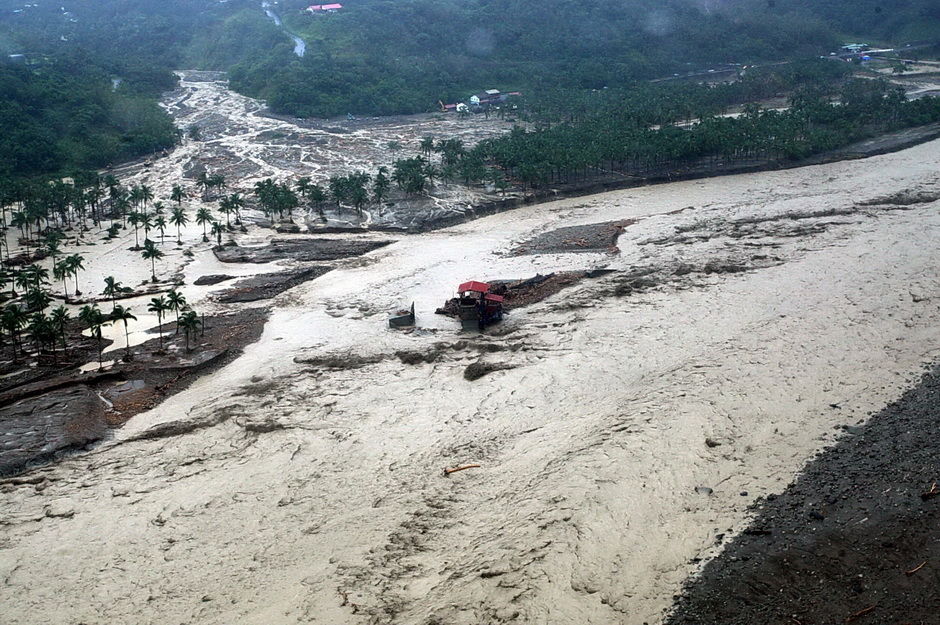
(69, 409)
(600, 237)
(856, 538)
(300, 249)
(239, 139)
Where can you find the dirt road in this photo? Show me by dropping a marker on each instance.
(303, 483)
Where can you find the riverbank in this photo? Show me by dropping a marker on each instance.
(853, 539)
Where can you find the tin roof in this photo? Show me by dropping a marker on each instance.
(474, 286)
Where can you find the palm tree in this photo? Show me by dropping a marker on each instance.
(317, 196)
(381, 185)
(146, 221)
(176, 302)
(153, 254)
(190, 323)
(204, 218)
(178, 194)
(146, 195)
(158, 306)
(204, 181)
(60, 271)
(226, 208)
(427, 146)
(160, 224)
(92, 317)
(217, 230)
(76, 263)
(122, 203)
(40, 328)
(236, 202)
(112, 288)
(136, 219)
(179, 219)
(120, 313)
(13, 319)
(59, 317)
(218, 182)
(135, 196)
(303, 185)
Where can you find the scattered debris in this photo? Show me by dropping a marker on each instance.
(600, 237)
(479, 369)
(861, 613)
(212, 279)
(448, 471)
(930, 494)
(305, 250)
(916, 568)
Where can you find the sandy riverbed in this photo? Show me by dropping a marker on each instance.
(295, 493)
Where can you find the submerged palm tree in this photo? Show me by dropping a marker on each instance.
(177, 303)
(190, 324)
(120, 313)
(159, 306)
(153, 254)
(95, 320)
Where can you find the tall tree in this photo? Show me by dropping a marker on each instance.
(159, 306)
(177, 302)
(179, 219)
(124, 315)
(153, 254)
(204, 218)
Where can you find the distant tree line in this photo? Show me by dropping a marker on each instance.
(624, 140)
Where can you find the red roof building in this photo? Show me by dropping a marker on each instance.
(474, 287)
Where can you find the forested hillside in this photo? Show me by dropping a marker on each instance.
(382, 56)
(65, 114)
(83, 93)
(376, 56)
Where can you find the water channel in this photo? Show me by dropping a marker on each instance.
(300, 46)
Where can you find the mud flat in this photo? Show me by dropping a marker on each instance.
(853, 539)
(267, 286)
(67, 412)
(298, 250)
(600, 237)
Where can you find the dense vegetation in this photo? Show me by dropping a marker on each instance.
(84, 93)
(60, 110)
(385, 57)
(620, 142)
(64, 114)
(393, 56)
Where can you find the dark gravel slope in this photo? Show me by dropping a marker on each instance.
(855, 539)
